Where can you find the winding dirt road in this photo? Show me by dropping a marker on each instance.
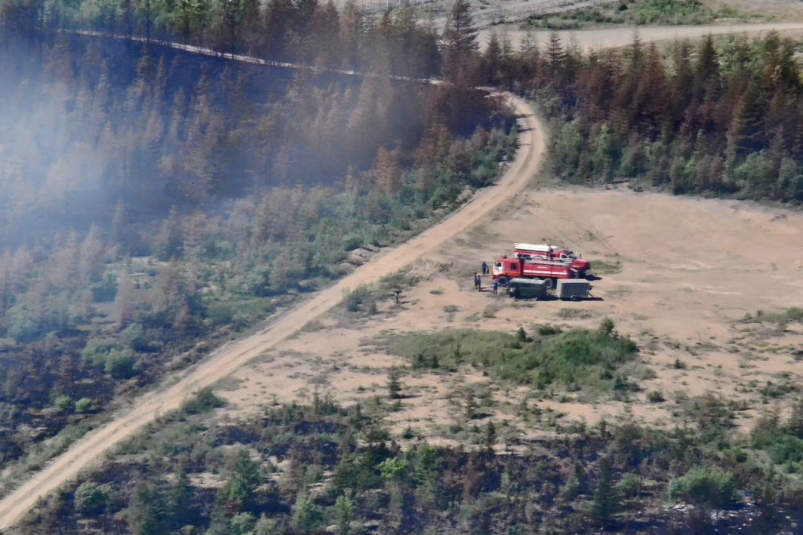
(227, 359)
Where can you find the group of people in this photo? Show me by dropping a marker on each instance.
(478, 279)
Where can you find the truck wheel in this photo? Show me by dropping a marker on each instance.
(502, 281)
(549, 284)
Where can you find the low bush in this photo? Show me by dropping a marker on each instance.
(629, 486)
(360, 299)
(205, 400)
(705, 486)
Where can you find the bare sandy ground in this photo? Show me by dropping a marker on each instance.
(691, 269)
(230, 358)
(618, 37)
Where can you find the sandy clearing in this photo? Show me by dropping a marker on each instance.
(223, 362)
(617, 37)
(690, 270)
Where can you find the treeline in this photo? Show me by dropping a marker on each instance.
(306, 31)
(720, 119)
(325, 469)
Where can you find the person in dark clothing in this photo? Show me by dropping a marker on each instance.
(484, 268)
(496, 287)
(397, 293)
(479, 283)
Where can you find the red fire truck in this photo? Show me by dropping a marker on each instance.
(506, 268)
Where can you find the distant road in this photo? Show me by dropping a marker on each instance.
(91, 449)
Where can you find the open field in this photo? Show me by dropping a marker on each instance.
(684, 274)
(618, 37)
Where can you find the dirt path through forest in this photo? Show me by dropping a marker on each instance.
(229, 358)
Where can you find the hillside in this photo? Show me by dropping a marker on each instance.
(158, 204)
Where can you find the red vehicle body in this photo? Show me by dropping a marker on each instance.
(506, 268)
(546, 252)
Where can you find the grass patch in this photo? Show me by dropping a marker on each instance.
(782, 318)
(574, 314)
(578, 358)
(601, 267)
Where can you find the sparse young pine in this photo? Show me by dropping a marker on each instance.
(606, 500)
(470, 404)
(489, 435)
(394, 382)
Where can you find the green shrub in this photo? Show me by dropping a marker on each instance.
(307, 517)
(629, 486)
(133, 337)
(90, 498)
(64, 404)
(205, 400)
(705, 486)
(656, 396)
(120, 363)
(83, 405)
(359, 299)
(393, 468)
(97, 349)
(242, 524)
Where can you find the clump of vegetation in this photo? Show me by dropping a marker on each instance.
(203, 401)
(572, 358)
(705, 486)
(360, 299)
(781, 319)
(601, 267)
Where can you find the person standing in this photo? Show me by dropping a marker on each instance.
(479, 283)
(484, 268)
(496, 287)
(476, 280)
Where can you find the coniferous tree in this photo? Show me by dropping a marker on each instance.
(460, 44)
(606, 500)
